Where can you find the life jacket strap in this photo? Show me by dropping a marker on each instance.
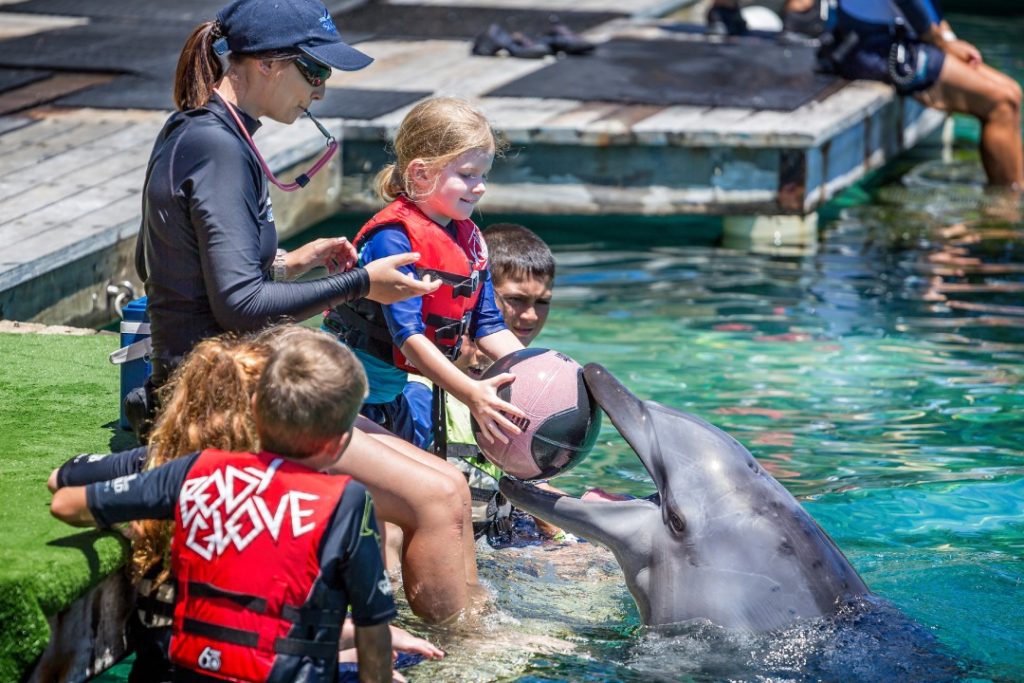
(461, 285)
(300, 647)
(253, 603)
(355, 331)
(447, 329)
(340, 318)
(465, 451)
(225, 634)
(155, 605)
(312, 616)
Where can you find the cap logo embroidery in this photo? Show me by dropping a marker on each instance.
(327, 23)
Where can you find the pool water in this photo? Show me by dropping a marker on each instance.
(879, 375)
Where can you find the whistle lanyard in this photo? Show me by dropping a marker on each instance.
(303, 179)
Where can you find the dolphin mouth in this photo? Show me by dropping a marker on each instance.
(600, 516)
(518, 489)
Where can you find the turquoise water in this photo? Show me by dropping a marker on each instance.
(879, 377)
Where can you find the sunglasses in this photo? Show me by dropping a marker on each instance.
(314, 73)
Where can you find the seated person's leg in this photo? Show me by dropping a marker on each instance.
(995, 99)
(454, 479)
(433, 509)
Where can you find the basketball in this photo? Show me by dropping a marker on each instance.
(562, 421)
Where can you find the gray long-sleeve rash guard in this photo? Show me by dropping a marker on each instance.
(208, 239)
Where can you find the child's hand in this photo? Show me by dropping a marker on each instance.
(336, 254)
(51, 483)
(492, 413)
(964, 51)
(403, 641)
(388, 284)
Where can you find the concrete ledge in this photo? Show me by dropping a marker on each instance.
(17, 327)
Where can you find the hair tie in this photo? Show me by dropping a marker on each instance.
(217, 31)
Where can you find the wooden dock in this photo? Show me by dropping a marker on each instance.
(70, 178)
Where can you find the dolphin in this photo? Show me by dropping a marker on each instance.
(721, 541)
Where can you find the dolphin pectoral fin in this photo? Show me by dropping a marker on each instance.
(616, 524)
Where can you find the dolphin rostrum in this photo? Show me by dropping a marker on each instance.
(721, 541)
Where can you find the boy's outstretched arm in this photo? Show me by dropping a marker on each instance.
(69, 505)
(373, 646)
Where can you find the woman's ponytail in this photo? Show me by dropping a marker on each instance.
(199, 68)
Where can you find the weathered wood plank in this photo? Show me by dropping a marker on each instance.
(49, 205)
(130, 146)
(54, 145)
(12, 123)
(661, 127)
(40, 128)
(518, 118)
(86, 234)
(17, 24)
(617, 124)
(442, 66)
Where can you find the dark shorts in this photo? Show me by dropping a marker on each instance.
(408, 416)
(871, 62)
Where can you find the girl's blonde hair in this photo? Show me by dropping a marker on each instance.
(435, 131)
(206, 404)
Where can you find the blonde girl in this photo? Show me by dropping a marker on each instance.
(444, 149)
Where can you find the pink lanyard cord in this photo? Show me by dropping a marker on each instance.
(303, 179)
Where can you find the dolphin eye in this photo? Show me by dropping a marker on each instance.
(676, 521)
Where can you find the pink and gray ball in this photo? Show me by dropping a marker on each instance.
(562, 420)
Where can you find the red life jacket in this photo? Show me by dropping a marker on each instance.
(245, 557)
(446, 312)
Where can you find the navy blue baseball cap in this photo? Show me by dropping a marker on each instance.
(263, 25)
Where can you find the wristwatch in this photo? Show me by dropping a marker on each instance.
(278, 271)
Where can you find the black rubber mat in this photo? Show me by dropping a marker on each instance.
(104, 46)
(439, 21)
(671, 72)
(355, 103)
(125, 92)
(134, 92)
(15, 78)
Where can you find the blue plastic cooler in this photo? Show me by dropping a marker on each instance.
(133, 356)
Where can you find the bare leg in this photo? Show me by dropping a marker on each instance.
(450, 472)
(799, 5)
(995, 99)
(427, 506)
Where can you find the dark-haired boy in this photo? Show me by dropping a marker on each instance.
(268, 551)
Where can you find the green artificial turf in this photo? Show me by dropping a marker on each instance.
(58, 397)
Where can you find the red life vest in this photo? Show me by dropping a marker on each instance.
(245, 557)
(457, 263)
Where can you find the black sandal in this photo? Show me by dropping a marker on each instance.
(496, 40)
